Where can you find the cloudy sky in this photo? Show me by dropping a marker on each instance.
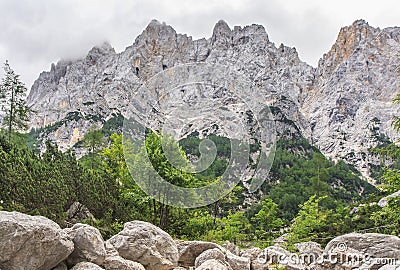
(33, 34)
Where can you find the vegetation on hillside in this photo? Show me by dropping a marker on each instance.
(306, 195)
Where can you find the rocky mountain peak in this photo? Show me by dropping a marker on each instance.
(350, 39)
(222, 35)
(332, 105)
(100, 51)
(156, 32)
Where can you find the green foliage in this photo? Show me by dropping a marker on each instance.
(266, 221)
(12, 101)
(309, 222)
(92, 142)
(49, 184)
(300, 171)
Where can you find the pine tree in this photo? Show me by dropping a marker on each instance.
(93, 141)
(12, 99)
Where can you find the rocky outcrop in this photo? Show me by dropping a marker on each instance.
(78, 213)
(384, 201)
(343, 106)
(147, 244)
(350, 107)
(31, 242)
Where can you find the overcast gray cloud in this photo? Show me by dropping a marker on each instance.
(33, 34)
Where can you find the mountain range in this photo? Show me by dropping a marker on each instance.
(343, 106)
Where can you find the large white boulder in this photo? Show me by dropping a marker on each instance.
(214, 265)
(31, 242)
(146, 244)
(86, 266)
(209, 254)
(89, 245)
(373, 244)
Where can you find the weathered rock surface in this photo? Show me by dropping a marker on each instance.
(88, 245)
(78, 213)
(214, 265)
(343, 106)
(61, 266)
(251, 253)
(147, 244)
(237, 262)
(31, 242)
(384, 201)
(374, 244)
(231, 247)
(86, 266)
(190, 250)
(209, 254)
(350, 105)
(118, 263)
(309, 248)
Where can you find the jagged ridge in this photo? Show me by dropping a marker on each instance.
(341, 106)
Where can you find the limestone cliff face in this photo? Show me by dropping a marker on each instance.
(343, 105)
(350, 106)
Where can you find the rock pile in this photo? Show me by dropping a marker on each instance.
(33, 242)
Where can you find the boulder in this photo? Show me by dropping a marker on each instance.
(61, 266)
(236, 262)
(147, 244)
(374, 244)
(392, 266)
(89, 245)
(251, 253)
(77, 212)
(310, 252)
(110, 250)
(115, 262)
(31, 242)
(214, 265)
(190, 250)
(118, 263)
(86, 266)
(309, 248)
(275, 254)
(259, 265)
(232, 248)
(209, 254)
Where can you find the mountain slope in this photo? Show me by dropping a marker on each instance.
(343, 106)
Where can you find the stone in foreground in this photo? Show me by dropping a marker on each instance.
(209, 254)
(190, 250)
(146, 244)
(31, 242)
(89, 245)
(214, 265)
(86, 266)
